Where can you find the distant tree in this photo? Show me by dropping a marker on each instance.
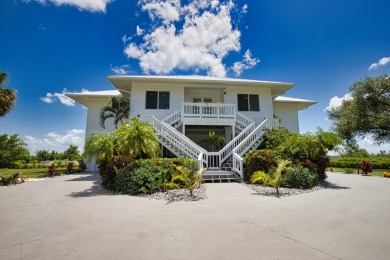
(43, 155)
(7, 96)
(355, 151)
(72, 153)
(366, 113)
(117, 108)
(12, 148)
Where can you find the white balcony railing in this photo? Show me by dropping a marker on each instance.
(208, 110)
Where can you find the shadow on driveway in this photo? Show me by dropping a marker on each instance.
(95, 190)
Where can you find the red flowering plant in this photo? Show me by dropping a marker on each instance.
(259, 160)
(366, 167)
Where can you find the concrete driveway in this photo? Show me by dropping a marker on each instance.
(71, 217)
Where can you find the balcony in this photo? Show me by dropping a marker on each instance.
(208, 113)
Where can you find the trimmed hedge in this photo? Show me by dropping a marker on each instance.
(378, 163)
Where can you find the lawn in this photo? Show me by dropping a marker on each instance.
(29, 173)
(376, 172)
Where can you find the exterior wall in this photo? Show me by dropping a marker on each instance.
(265, 100)
(204, 92)
(93, 123)
(288, 114)
(138, 99)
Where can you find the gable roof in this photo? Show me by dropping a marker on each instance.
(123, 83)
(301, 103)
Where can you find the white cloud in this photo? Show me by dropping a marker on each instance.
(121, 70)
(139, 31)
(245, 8)
(84, 5)
(55, 141)
(247, 63)
(335, 102)
(53, 97)
(200, 41)
(382, 62)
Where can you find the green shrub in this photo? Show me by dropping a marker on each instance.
(349, 170)
(259, 160)
(5, 181)
(107, 174)
(377, 163)
(146, 178)
(300, 177)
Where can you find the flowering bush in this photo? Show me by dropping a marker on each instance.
(259, 160)
(366, 167)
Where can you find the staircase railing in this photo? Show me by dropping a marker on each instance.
(173, 118)
(227, 150)
(243, 120)
(174, 137)
(248, 142)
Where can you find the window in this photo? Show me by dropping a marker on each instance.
(248, 102)
(157, 99)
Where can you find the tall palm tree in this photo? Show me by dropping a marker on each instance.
(7, 96)
(117, 108)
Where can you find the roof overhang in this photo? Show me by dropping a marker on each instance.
(124, 83)
(83, 97)
(301, 103)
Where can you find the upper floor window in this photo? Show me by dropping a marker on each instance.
(247, 102)
(157, 100)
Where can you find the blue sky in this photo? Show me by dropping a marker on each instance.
(50, 47)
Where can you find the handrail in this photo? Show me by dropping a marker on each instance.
(238, 165)
(243, 119)
(251, 139)
(185, 144)
(173, 118)
(225, 152)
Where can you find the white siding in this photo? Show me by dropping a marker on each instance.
(288, 114)
(93, 123)
(138, 99)
(264, 99)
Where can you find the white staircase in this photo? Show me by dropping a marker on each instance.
(225, 165)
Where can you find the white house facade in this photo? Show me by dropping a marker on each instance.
(183, 109)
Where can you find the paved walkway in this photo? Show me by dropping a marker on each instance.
(71, 217)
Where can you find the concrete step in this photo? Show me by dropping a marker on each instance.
(219, 176)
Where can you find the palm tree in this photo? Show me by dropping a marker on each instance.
(274, 180)
(137, 139)
(213, 141)
(118, 108)
(7, 96)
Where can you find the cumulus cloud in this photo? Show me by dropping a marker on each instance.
(84, 5)
(382, 62)
(197, 36)
(121, 70)
(56, 141)
(335, 102)
(248, 62)
(60, 97)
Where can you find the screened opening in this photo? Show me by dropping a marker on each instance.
(248, 102)
(157, 99)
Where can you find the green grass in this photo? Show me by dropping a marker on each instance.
(29, 173)
(376, 172)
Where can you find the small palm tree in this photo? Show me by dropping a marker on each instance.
(190, 178)
(213, 141)
(7, 96)
(117, 108)
(137, 139)
(274, 180)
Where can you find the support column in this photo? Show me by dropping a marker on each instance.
(183, 131)
(233, 132)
